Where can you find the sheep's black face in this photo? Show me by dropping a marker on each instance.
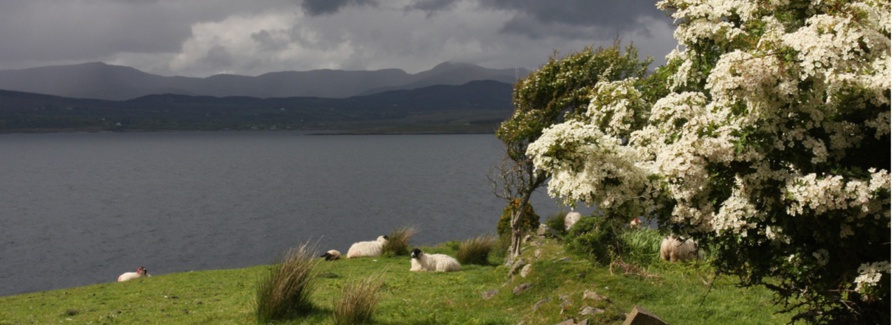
(416, 253)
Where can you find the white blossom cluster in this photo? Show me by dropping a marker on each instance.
(869, 275)
(614, 105)
(782, 101)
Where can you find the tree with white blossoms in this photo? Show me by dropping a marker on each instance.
(772, 149)
(549, 95)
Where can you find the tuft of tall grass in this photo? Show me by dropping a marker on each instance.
(284, 292)
(358, 301)
(641, 246)
(476, 250)
(556, 223)
(398, 241)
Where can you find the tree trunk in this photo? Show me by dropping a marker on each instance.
(516, 230)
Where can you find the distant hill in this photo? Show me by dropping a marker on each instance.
(476, 106)
(110, 82)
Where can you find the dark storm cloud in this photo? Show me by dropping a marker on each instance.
(41, 30)
(612, 16)
(205, 37)
(327, 7)
(567, 18)
(431, 6)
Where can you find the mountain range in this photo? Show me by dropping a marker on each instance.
(450, 98)
(103, 81)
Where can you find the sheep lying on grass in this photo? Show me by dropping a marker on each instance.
(571, 219)
(678, 249)
(433, 262)
(140, 272)
(367, 248)
(331, 255)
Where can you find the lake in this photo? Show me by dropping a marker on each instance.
(82, 208)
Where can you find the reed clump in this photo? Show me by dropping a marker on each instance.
(398, 241)
(358, 301)
(476, 250)
(284, 292)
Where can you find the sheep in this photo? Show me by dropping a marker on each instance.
(140, 272)
(367, 248)
(331, 255)
(433, 262)
(571, 219)
(678, 249)
(635, 223)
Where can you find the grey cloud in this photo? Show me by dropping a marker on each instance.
(615, 16)
(327, 7)
(265, 40)
(431, 6)
(570, 19)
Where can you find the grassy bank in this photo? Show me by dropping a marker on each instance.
(678, 293)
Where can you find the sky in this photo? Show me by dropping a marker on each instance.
(200, 38)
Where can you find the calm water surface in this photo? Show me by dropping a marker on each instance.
(81, 208)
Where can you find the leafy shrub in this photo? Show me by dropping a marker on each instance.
(476, 250)
(529, 220)
(358, 301)
(556, 223)
(398, 241)
(597, 237)
(284, 293)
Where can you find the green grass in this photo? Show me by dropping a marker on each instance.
(678, 293)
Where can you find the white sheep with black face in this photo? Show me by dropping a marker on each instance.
(140, 272)
(433, 262)
(675, 249)
(367, 248)
(331, 255)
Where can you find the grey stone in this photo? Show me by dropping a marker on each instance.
(540, 303)
(588, 294)
(640, 316)
(519, 263)
(591, 311)
(521, 288)
(566, 304)
(526, 270)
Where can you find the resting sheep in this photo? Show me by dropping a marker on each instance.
(433, 262)
(678, 249)
(571, 219)
(331, 255)
(140, 272)
(367, 248)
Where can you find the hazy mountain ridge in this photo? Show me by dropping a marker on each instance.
(477, 106)
(102, 81)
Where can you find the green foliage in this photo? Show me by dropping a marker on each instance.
(597, 237)
(562, 88)
(399, 241)
(284, 293)
(358, 301)
(529, 220)
(556, 223)
(640, 246)
(476, 250)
